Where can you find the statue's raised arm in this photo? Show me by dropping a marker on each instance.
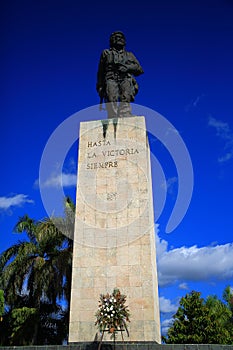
(116, 83)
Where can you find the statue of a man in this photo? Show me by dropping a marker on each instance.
(116, 84)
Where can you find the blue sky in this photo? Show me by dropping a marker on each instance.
(49, 57)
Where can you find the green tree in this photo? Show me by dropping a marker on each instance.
(36, 273)
(228, 298)
(199, 322)
(1, 304)
(21, 322)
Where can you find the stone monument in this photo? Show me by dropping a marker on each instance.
(114, 238)
(114, 244)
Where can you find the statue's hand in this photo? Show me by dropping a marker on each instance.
(100, 91)
(123, 69)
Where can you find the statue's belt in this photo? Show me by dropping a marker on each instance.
(116, 75)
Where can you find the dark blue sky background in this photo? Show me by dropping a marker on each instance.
(48, 63)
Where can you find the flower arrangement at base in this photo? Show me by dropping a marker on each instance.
(112, 313)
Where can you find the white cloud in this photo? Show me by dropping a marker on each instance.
(166, 305)
(193, 263)
(224, 132)
(59, 180)
(225, 158)
(222, 128)
(161, 246)
(165, 325)
(72, 165)
(197, 100)
(170, 184)
(183, 286)
(14, 201)
(194, 102)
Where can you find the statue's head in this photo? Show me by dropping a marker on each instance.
(117, 40)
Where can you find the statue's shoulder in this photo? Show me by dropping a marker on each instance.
(106, 52)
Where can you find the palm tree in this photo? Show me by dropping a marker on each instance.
(37, 271)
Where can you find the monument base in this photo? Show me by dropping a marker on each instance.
(114, 239)
(117, 345)
(124, 346)
(143, 346)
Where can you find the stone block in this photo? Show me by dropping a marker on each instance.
(114, 236)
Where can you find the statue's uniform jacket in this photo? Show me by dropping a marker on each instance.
(115, 79)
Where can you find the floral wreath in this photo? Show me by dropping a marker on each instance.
(112, 313)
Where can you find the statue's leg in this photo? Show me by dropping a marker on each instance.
(125, 98)
(112, 92)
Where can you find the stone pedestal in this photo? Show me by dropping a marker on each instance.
(114, 243)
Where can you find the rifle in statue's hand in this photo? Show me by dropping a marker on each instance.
(101, 95)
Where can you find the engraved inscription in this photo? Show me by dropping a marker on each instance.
(111, 196)
(98, 143)
(119, 152)
(106, 153)
(103, 165)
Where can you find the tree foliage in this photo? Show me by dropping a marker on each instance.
(201, 322)
(1, 304)
(36, 278)
(228, 298)
(22, 321)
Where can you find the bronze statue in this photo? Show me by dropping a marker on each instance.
(116, 84)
